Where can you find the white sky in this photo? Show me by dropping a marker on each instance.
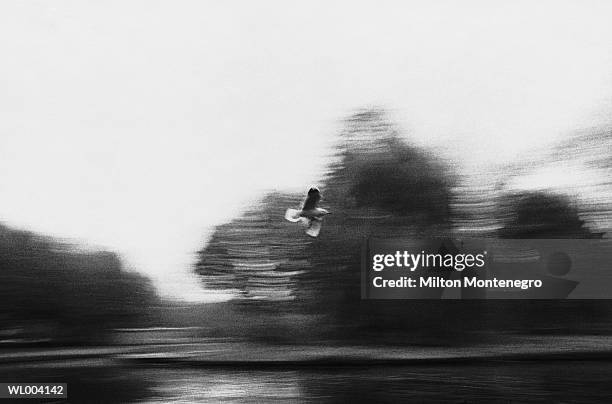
(139, 125)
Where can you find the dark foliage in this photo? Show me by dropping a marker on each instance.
(54, 291)
(539, 214)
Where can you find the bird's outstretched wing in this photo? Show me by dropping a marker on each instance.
(314, 228)
(314, 196)
(293, 215)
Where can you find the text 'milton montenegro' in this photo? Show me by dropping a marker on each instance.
(470, 268)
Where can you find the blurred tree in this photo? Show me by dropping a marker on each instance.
(376, 169)
(377, 186)
(58, 291)
(538, 214)
(257, 255)
(545, 215)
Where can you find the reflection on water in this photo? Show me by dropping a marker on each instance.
(521, 382)
(208, 386)
(496, 381)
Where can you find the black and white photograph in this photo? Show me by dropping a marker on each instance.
(314, 202)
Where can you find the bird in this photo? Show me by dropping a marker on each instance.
(310, 215)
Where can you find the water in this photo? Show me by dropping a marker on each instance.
(493, 381)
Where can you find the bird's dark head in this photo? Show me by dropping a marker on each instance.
(313, 190)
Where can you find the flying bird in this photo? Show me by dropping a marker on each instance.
(310, 215)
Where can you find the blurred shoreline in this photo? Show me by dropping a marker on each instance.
(219, 353)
